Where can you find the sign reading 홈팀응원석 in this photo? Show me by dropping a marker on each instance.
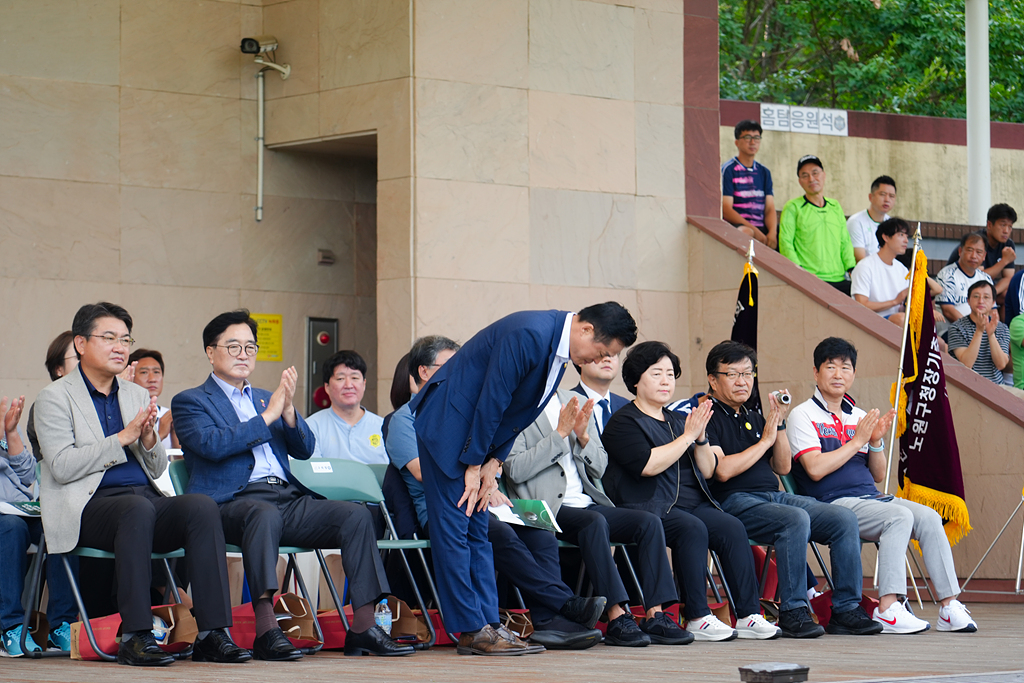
(793, 119)
(269, 335)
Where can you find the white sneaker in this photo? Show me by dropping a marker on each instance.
(710, 628)
(756, 627)
(956, 618)
(897, 619)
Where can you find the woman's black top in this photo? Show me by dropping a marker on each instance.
(629, 438)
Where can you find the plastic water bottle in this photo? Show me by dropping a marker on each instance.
(382, 616)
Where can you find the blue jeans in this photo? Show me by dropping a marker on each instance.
(789, 522)
(16, 534)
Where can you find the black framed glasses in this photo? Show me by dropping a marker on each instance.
(235, 350)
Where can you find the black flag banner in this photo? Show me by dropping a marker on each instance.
(744, 323)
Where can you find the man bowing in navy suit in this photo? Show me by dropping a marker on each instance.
(467, 418)
(236, 441)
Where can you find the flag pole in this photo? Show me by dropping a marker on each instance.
(750, 252)
(903, 348)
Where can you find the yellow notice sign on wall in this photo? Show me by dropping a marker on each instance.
(270, 336)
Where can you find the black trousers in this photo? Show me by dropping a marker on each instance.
(528, 558)
(594, 529)
(134, 521)
(690, 533)
(264, 517)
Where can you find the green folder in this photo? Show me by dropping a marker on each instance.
(526, 512)
(21, 509)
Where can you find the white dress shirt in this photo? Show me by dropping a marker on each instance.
(561, 358)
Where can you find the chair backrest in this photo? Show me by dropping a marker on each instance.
(179, 475)
(337, 479)
(789, 483)
(380, 471)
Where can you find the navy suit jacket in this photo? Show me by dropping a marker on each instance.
(477, 403)
(615, 400)
(218, 446)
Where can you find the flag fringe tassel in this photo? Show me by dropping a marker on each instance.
(952, 508)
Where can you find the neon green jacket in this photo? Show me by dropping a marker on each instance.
(816, 239)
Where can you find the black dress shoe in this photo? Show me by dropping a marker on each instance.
(585, 611)
(558, 633)
(217, 646)
(142, 650)
(273, 646)
(374, 641)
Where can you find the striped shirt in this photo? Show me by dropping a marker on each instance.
(748, 188)
(960, 334)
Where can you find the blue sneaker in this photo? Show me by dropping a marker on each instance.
(12, 643)
(60, 637)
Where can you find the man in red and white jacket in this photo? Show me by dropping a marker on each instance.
(838, 453)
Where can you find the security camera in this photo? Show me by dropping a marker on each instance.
(258, 45)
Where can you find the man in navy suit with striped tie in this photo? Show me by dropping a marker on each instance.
(596, 383)
(467, 418)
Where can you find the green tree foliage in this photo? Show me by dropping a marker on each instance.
(901, 56)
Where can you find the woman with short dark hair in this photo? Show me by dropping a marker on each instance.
(659, 461)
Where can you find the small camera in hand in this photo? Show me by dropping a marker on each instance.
(782, 397)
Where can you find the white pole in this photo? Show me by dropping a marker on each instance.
(903, 348)
(259, 143)
(979, 169)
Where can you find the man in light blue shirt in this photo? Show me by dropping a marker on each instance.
(347, 431)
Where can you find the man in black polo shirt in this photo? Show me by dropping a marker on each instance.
(1000, 253)
(750, 450)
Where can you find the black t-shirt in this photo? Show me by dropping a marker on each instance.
(629, 449)
(734, 433)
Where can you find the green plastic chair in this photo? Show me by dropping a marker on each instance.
(337, 479)
(178, 472)
(36, 580)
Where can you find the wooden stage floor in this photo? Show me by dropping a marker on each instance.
(993, 655)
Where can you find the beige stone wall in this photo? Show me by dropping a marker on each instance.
(931, 178)
(529, 151)
(128, 173)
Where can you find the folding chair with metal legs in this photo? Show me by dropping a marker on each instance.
(30, 601)
(172, 588)
(725, 584)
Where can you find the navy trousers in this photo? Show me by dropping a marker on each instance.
(461, 552)
(529, 559)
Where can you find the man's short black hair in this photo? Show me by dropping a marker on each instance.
(85, 320)
(139, 354)
(215, 328)
(643, 356)
(882, 180)
(348, 358)
(1000, 211)
(970, 237)
(890, 227)
(611, 321)
(978, 285)
(727, 353)
(55, 353)
(424, 352)
(746, 125)
(834, 348)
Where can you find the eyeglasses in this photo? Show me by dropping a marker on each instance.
(235, 350)
(733, 376)
(751, 138)
(111, 340)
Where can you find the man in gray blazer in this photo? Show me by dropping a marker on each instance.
(558, 459)
(100, 458)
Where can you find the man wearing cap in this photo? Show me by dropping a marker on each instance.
(812, 230)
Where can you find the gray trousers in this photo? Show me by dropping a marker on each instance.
(892, 525)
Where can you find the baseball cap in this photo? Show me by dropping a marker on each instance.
(808, 159)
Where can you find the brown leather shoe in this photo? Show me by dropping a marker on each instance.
(488, 641)
(531, 648)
